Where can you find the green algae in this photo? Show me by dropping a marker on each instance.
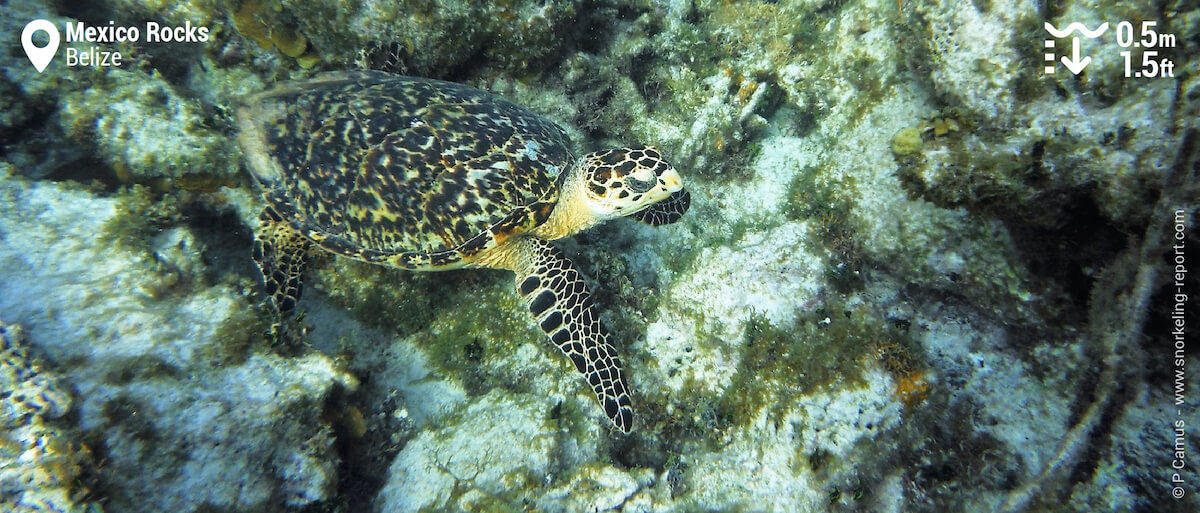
(464, 321)
(476, 337)
(827, 204)
(571, 419)
(239, 336)
(980, 176)
(140, 215)
(131, 416)
(814, 194)
(399, 301)
(625, 299)
(862, 71)
(907, 142)
(1029, 84)
(828, 348)
(681, 260)
(142, 368)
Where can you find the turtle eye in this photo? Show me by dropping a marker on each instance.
(637, 185)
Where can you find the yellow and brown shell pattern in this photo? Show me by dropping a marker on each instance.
(414, 172)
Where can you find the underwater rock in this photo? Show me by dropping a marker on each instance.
(1124, 478)
(173, 12)
(27, 93)
(1028, 155)
(975, 56)
(172, 377)
(144, 128)
(28, 100)
(794, 456)
(496, 452)
(420, 37)
(27, 389)
(603, 487)
(40, 461)
(753, 331)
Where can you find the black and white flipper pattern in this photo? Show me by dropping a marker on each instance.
(562, 307)
(666, 211)
(281, 254)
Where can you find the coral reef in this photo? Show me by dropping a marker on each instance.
(41, 465)
(176, 392)
(144, 128)
(919, 273)
(28, 391)
(416, 36)
(28, 101)
(478, 466)
(260, 22)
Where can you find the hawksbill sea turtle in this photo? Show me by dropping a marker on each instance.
(428, 175)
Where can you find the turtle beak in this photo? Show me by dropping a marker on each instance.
(670, 180)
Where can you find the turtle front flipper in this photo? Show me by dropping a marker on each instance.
(562, 308)
(281, 254)
(666, 211)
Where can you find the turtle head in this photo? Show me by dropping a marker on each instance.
(610, 184)
(623, 181)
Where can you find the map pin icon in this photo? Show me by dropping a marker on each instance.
(40, 57)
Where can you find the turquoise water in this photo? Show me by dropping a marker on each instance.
(936, 257)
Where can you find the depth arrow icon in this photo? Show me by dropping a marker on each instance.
(1075, 64)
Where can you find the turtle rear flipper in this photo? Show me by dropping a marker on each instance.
(281, 254)
(563, 309)
(666, 211)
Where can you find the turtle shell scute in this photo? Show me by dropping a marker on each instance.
(417, 172)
